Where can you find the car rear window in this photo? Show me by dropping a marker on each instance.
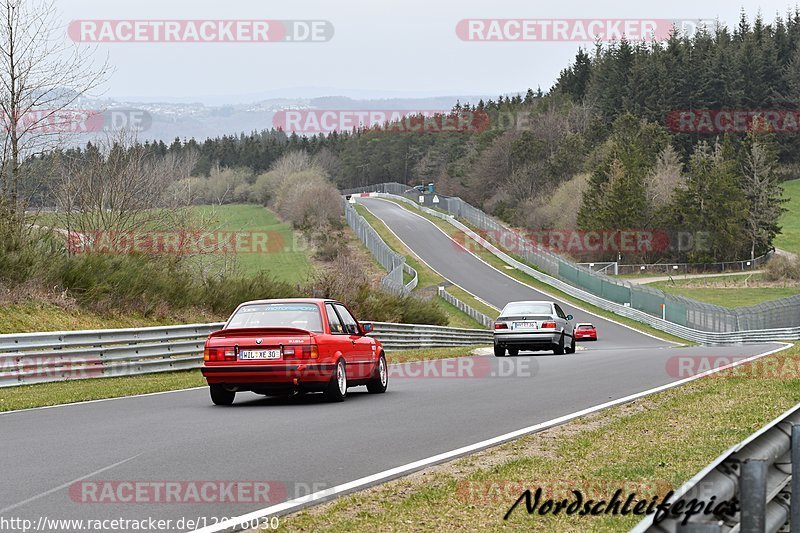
(527, 309)
(586, 326)
(289, 315)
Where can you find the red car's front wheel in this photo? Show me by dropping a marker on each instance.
(380, 381)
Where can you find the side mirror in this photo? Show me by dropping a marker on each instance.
(569, 317)
(367, 328)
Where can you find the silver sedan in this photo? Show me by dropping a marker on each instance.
(533, 326)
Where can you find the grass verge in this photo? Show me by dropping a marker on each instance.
(499, 264)
(676, 433)
(34, 315)
(44, 394)
(789, 237)
(727, 291)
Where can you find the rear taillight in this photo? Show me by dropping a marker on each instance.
(500, 325)
(305, 351)
(548, 325)
(219, 354)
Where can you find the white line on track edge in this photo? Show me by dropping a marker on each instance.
(246, 520)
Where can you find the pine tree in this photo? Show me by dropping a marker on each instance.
(763, 192)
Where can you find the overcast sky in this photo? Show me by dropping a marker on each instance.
(380, 47)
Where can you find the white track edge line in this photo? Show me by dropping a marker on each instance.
(244, 521)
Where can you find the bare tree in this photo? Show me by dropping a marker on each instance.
(41, 76)
(115, 185)
(664, 179)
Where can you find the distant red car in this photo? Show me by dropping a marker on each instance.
(585, 332)
(276, 347)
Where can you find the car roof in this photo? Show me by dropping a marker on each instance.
(531, 302)
(583, 324)
(290, 300)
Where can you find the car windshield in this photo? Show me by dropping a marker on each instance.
(290, 315)
(523, 308)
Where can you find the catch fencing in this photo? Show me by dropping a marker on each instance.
(725, 267)
(757, 473)
(394, 263)
(30, 358)
(675, 310)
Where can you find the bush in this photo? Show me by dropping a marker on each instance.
(781, 268)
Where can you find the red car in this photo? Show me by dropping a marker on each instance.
(585, 332)
(276, 347)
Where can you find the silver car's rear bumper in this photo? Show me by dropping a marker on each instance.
(513, 338)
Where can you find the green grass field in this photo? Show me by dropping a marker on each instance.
(283, 255)
(789, 238)
(728, 291)
(287, 256)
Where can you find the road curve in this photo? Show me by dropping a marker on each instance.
(462, 268)
(305, 444)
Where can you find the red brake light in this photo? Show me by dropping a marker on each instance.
(500, 325)
(304, 351)
(219, 354)
(548, 325)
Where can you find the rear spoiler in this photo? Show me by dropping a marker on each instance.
(266, 332)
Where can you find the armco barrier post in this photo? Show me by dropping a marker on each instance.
(753, 491)
(794, 506)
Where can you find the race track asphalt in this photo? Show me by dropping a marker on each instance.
(304, 444)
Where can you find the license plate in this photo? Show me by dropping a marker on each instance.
(259, 354)
(526, 325)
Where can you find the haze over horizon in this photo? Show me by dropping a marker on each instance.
(383, 50)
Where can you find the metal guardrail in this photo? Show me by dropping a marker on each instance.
(695, 335)
(30, 358)
(783, 313)
(484, 320)
(364, 227)
(758, 473)
(393, 262)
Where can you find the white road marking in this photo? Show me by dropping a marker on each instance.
(245, 520)
(67, 484)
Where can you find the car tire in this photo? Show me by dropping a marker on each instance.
(513, 352)
(380, 382)
(499, 351)
(558, 349)
(571, 347)
(337, 388)
(221, 396)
